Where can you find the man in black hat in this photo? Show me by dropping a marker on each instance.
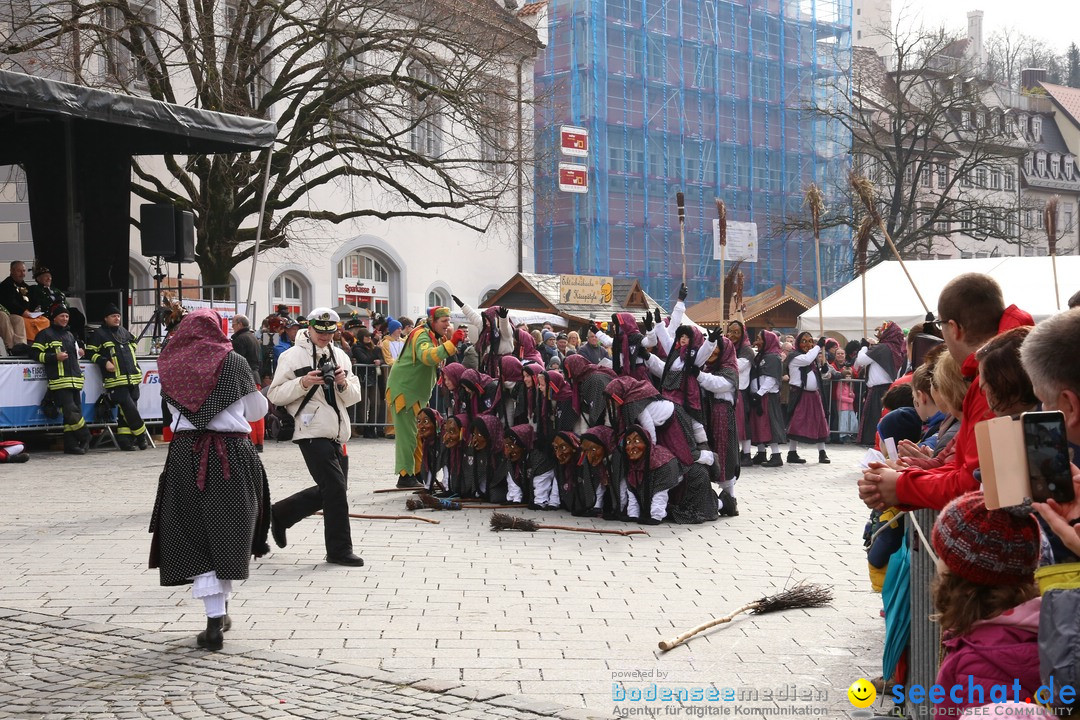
(43, 296)
(112, 348)
(55, 348)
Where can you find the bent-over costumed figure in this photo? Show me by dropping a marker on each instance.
(213, 504)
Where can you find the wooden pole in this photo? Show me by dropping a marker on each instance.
(721, 225)
(680, 202)
(389, 517)
(1051, 240)
(817, 206)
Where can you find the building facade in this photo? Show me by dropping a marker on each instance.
(694, 96)
(396, 266)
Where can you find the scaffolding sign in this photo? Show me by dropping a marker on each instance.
(574, 141)
(573, 178)
(742, 242)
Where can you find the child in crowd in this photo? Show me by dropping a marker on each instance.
(987, 602)
(844, 397)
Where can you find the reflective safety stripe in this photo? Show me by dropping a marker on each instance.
(139, 430)
(76, 426)
(123, 430)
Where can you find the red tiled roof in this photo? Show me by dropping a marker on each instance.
(532, 8)
(1067, 98)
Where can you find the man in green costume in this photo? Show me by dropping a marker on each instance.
(409, 387)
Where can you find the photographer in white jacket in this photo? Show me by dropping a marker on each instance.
(314, 383)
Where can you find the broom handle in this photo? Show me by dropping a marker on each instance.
(723, 297)
(1057, 295)
(592, 530)
(896, 253)
(491, 507)
(395, 489)
(389, 517)
(682, 246)
(666, 645)
(865, 332)
(817, 261)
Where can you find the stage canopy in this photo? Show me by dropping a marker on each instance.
(1027, 282)
(75, 144)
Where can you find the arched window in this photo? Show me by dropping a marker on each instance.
(360, 273)
(437, 298)
(360, 266)
(288, 290)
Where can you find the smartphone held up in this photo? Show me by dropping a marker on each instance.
(1025, 460)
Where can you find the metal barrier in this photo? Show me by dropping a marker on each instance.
(836, 396)
(371, 412)
(924, 650)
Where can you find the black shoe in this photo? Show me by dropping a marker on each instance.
(731, 505)
(746, 459)
(20, 458)
(822, 458)
(774, 461)
(759, 459)
(794, 459)
(79, 450)
(226, 622)
(127, 447)
(259, 449)
(409, 481)
(446, 494)
(277, 529)
(141, 441)
(212, 638)
(349, 560)
(650, 521)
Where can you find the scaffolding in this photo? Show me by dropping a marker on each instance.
(706, 97)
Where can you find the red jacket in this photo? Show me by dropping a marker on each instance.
(934, 488)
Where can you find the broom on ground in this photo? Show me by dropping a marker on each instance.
(389, 517)
(802, 595)
(502, 521)
(426, 500)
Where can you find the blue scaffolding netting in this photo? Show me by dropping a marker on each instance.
(709, 98)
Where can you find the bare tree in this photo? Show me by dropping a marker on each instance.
(934, 140)
(1009, 51)
(401, 108)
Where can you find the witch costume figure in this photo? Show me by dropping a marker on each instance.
(429, 436)
(651, 471)
(573, 495)
(587, 383)
(213, 503)
(483, 475)
(635, 402)
(768, 427)
(526, 467)
(808, 423)
(883, 361)
(452, 458)
(602, 470)
(512, 403)
(719, 384)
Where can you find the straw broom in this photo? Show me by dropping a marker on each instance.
(721, 214)
(865, 191)
(426, 500)
(817, 206)
(680, 202)
(502, 521)
(862, 246)
(737, 297)
(802, 595)
(1051, 238)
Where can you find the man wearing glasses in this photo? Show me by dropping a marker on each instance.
(314, 384)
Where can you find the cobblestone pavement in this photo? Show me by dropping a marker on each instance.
(539, 623)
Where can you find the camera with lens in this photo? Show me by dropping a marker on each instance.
(328, 367)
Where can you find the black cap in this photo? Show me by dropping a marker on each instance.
(110, 309)
(58, 309)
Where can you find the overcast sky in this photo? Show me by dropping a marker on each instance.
(1056, 21)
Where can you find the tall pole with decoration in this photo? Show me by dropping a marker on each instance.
(862, 245)
(1051, 239)
(817, 206)
(721, 234)
(680, 202)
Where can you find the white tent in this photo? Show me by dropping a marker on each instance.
(1027, 282)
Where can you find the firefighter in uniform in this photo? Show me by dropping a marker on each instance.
(55, 348)
(112, 348)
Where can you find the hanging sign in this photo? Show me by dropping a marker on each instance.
(573, 178)
(574, 141)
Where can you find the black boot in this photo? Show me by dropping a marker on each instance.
(745, 459)
(822, 458)
(760, 458)
(731, 505)
(409, 481)
(141, 441)
(72, 444)
(277, 529)
(212, 637)
(226, 622)
(794, 459)
(774, 461)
